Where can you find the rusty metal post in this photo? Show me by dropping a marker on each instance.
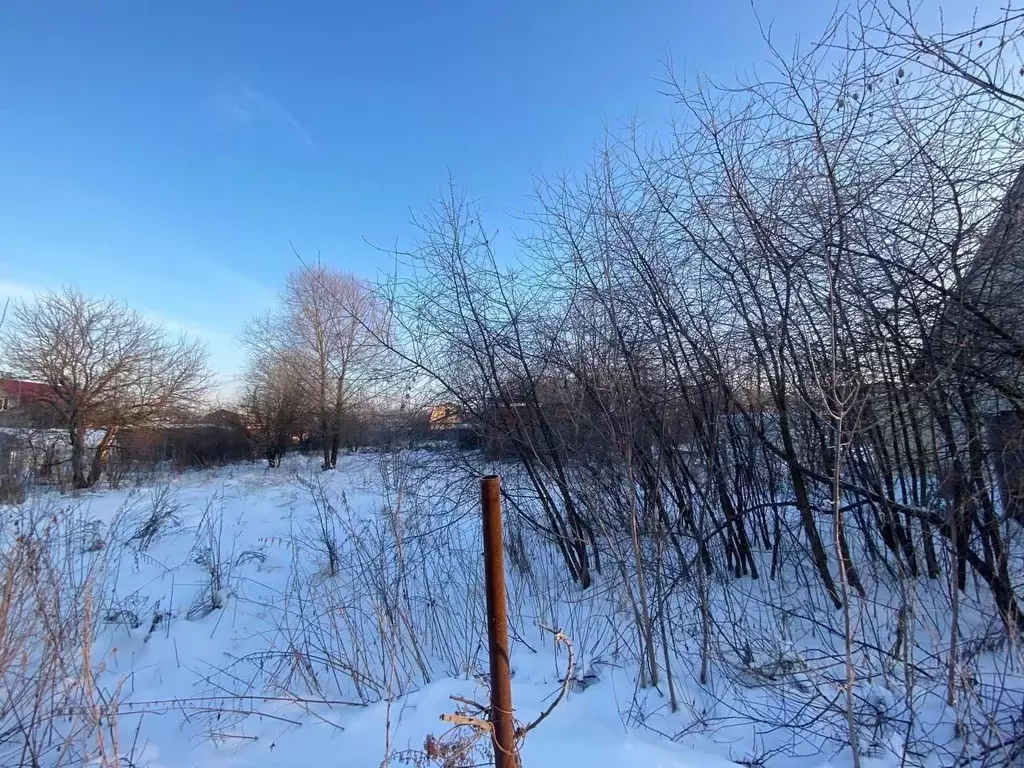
(503, 726)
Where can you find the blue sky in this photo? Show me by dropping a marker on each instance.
(166, 153)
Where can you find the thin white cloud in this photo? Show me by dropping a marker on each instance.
(18, 291)
(188, 327)
(243, 289)
(13, 290)
(247, 105)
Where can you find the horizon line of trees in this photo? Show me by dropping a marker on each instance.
(319, 376)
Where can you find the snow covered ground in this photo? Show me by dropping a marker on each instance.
(246, 617)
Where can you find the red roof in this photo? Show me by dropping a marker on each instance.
(27, 391)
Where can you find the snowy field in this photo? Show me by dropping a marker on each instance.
(246, 617)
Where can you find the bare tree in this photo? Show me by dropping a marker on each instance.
(327, 327)
(107, 366)
(274, 404)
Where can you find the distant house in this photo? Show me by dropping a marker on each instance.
(993, 287)
(222, 417)
(16, 393)
(219, 437)
(980, 333)
(980, 337)
(26, 404)
(444, 416)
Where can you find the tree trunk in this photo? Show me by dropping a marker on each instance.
(77, 435)
(803, 503)
(99, 458)
(339, 414)
(335, 444)
(325, 439)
